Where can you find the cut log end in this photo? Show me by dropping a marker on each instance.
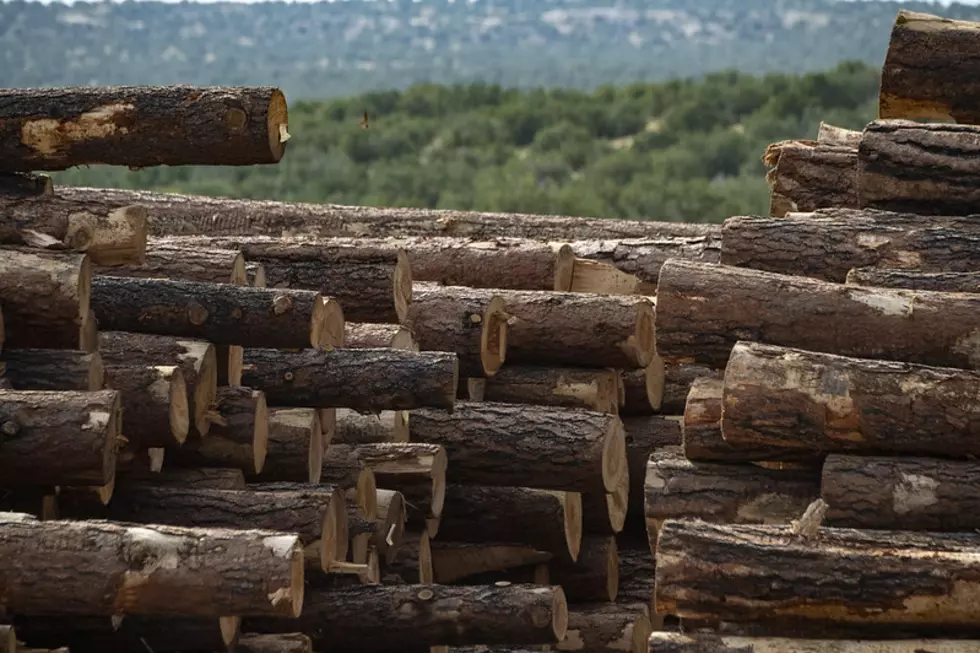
(493, 339)
(643, 341)
(84, 287)
(656, 379)
(260, 435)
(180, 414)
(400, 429)
(277, 120)
(88, 333)
(230, 627)
(206, 386)
(239, 272)
(326, 423)
(255, 273)
(559, 613)
(402, 285)
(439, 465)
(327, 329)
(572, 515)
(564, 268)
(334, 534)
(614, 466)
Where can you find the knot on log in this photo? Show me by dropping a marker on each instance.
(196, 314)
(281, 304)
(426, 595)
(236, 119)
(10, 428)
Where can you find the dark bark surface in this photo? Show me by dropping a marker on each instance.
(238, 440)
(592, 389)
(201, 264)
(463, 562)
(668, 642)
(154, 403)
(96, 634)
(915, 280)
(279, 643)
(413, 564)
(595, 575)
(213, 478)
(415, 469)
(645, 436)
(805, 175)
(367, 335)
(52, 369)
(607, 628)
(295, 447)
(22, 184)
(353, 427)
(643, 257)
(643, 391)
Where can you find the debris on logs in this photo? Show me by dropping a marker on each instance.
(368, 335)
(53, 369)
(155, 403)
(201, 264)
(295, 447)
(358, 428)
(594, 389)
(805, 175)
(416, 470)
(915, 280)
(595, 575)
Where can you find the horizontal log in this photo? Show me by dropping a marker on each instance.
(154, 401)
(280, 643)
(368, 335)
(353, 427)
(213, 478)
(23, 184)
(914, 279)
(604, 513)
(362, 379)
(88, 336)
(591, 276)
(255, 273)
(413, 564)
(636, 577)
(342, 467)
(416, 470)
(607, 628)
(82, 634)
(200, 264)
(804, 175)
(811, 402)
(120, 569)
(645, 436)
(832, 135)
(59, 437)
(391, 518)
(52, 369)
(460, 562)
(141, 126)
(704, 309)
(295, 447)
(360, 532)
(665, 642)
(592, 389)
(595, 575)
(643, 257)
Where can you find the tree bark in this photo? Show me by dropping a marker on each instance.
(223, 314)
(607, 628)
(53, 369)
(360, 532)
(817, 403)
(828, 246)
(604, 513)
(836, 578)
(592, 276)
(595, 575)
(59, 437)
(828, 134)
(358, 428)
(120, 569)
(294, 452)
(416, 470)
(704, 309)
(471, 324)
(505, 445)
(210, 478)
(379, 618)
(255, 272)
(199, 264)
(636, 578)
(915, 280)
(666, 642)
(460, 562)
(45, 296)
(391, 519)
(645, 436)
(367, 380)
(23, 184)
(644, 390)
(154, 403)
(83, 634)
(342, 467)
(643, 257)
(141, 126)
(111, 236)
(281, 643)
(593, 389)
(805, 175)
(366, 335)
(413, 564)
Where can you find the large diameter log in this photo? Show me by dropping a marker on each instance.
(154, 403)
(53, 369)
(811, 402)
(595, 575)
(84, 634)
(368, 335)
(805, 175)
(201, 264)
(222, 313)
(362, 379)
(607, 628)
(141, 126)
(914, 279)
(119, 569)
(59, 437)
(295, 447)
(593, 389)
(416, 470)
(45, 297)
(703, 309)
(510, 445)
(667, 642)
(471, 324)
(745, 573)
(394, 617)
(461, 562)
(279, 643)
(353, 427)
(643, 257)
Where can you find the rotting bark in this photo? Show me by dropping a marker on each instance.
(52, 369)
(154, 401)
(358, 428)
(460, 562)
(295, 447)
(804, 175)
(914, 279)
(574, 387)
(643, 257)
(200, 264)
(416, 470)
(595, 575)
(367, 335)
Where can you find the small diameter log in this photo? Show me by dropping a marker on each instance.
(745, 573)
(643, 257)
(53, 369)
(360, 532)
(594, 389)
(643, 390)
(353, 427)
(281, 643)
(828, 134)
(119, 569)
(915, 280)
(737, 494)
(367, 335)
(805, 175)
(45, 297)
(546, 520)
(506, 445)
(195, 358)
(224, 314)
(645, 436)
(461, 562)
(590, 276)
(155, 403)
(666, 642)
(413, 564)
(141, 126)
(679, 375)
(416, 470)
(604, 513)
(201, 264)
(342, 467)
(295, 447)
(83, 634)
(396, 617)
(367, 380)
(255, 273)
(110, 235)
(817, 403)
(23, 184)
(239, 438)
(595, 575)
(391, 519)
(211, 478)
(59, 437)
(607, 628)
(704, 309)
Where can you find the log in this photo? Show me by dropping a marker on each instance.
(212, 478)
(927, 73)
(666, 642)
(195, 358)
(828, 245)
(239, 438)
(589, 276)
(805, 175)
(645, 436)
(454, 562)
(545, 520)
(847, 576)
(636, 578)
(367, 335)
(788, 311)
(111, 236)
(593, 389)
(200, 264)
(8, 639)
(810, 402)
(595, 575)
(366, 380)
(22, 184)
(358, 428)
(643, 390)
(413, 564)
(395, 617)
(604, 513)
(342, 467)
(62, 437)
(53, 369)
(88, 337)
(530, 574)
(914, 279)
(295, 447)
(505, 445)
(832, 135)
(45, 297)
(360, 532)
(416, 470)
(723, 493)
(120, 569)
(154, 403)
(390, 522)
(607, 628)
(223, 314)
(643, 257)
(255, 272)
(136, 632)
(141, 126)
(471, 324)
(281, 643)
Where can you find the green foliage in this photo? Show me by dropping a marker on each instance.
(680, 151)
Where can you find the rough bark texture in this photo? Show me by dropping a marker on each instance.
(642, 389)
(120, 569)
(805, 175)
(255, 273)
(390, 522)
(455, 562)
(379, 618)
(342, 467)
(201, 264)
(593, 389)
(59, 437)
(645, 436)
(679, 374)
(361, 379)
(828, 245)
(154, 403)
(23, 184)
(97, 634)
(239, 439)
(636, 574)
(366, 335)
(839, 576)
(413, 564)
(294, 451)
(832, 135)
(643, 257)
(607, 628)
(817, 403)
(416, 470)
(213, 478)
(915, 280)
(929, 71)
(281, 643)
(358, 428)
(595, 575)
(704, 309)
(223, 314)
(141, 126)
(52, 369)
(507, 445)
(45, 296)
(665, 642)
(360, 532)
(472, 324)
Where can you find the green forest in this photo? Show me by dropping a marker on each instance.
(683, 150)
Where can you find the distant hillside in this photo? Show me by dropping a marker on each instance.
(331, 49)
